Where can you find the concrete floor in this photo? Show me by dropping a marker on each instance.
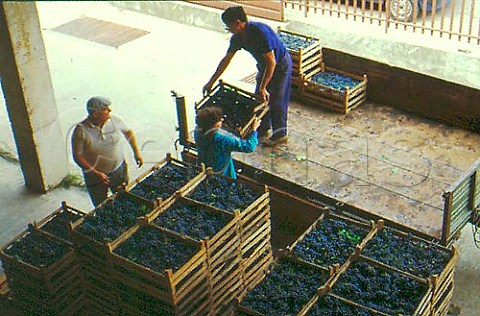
(138, 77)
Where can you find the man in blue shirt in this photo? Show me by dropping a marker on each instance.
(215, 146)
(274, 66)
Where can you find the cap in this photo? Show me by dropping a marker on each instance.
(97, 103)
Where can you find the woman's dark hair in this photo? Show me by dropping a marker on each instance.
(234, 13)
(208, 117)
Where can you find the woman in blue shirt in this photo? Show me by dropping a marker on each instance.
(274, 66)
(215, 145)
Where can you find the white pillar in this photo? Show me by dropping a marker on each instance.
(29, 96)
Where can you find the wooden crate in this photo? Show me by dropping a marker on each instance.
(305, 58)
(267, 278)
(223, 251)
(256, 245)
(367, 229)
(182, 292)
(50, 288)
(335, 301)
(254, 228)
(342, 101)
(82, 239)
(236, 103)
(384, 232)
(141, 182)
(57, 223)
(424, 306)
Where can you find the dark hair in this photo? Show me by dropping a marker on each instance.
(208, 117)
(234, 13)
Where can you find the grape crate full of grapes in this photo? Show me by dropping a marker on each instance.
(239, 107)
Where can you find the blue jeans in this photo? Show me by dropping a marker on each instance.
(279, 89)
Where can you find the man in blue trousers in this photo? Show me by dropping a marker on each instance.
(274, 66)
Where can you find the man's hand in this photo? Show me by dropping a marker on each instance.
(138, 160)
(264, 95)
(105, 179)
(207, 88)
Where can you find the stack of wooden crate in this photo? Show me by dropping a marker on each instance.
(143, 287)
(42, 270)
(94, 237)
(306, 54)
(374, 270)
(249, 239)
(119, 279)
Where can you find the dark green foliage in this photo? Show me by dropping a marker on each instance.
(237, 108)
(407, 253)
(37, 249)
(285, 290)
(332, 241)
(59, 224)
(157, 250)
(295, 42)
(194, 221)
(379, 289)
(334, 80)
(332, 306)
(113, 218)
(225, 194)
(164, 182)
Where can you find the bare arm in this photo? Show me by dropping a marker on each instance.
(130, 136)
(267, 75)
(222, 65)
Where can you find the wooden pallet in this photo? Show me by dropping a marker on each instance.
(342, 101)
(259, 111)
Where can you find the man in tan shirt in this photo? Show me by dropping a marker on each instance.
(98, 149)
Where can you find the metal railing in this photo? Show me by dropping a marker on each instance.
(452, 19)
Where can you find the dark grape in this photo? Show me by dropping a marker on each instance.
(37, 249)
(332, 306)
(289, 285)
(164, 182)
(386, 291)
(332, 241)
(407, 253)
(113, 218)
(156, 249)
(223, 193)
(59, 224)
(195, 221)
